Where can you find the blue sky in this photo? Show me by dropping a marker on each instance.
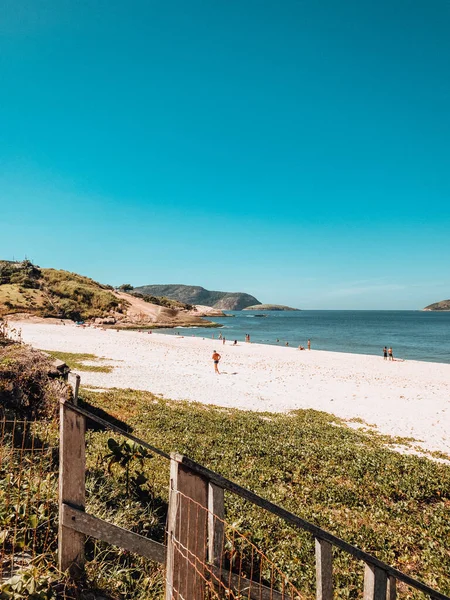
(295, 150)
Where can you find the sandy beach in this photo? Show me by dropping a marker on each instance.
(408, 399)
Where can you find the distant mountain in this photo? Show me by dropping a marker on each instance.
(442, 305)
(270, 307)
(194, 294)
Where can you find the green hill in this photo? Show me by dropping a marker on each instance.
(193, 294)
(24, 287)
(442, 305)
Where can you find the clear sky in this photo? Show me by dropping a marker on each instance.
(298, 150)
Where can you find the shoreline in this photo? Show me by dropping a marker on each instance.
(406, 399)
(281, 345)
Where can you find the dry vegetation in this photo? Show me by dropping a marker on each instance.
(29, 384)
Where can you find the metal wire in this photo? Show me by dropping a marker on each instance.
(28, 496)
(240, 571)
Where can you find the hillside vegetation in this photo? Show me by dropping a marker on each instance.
(442, 305)
(194, 294)
(26, 288)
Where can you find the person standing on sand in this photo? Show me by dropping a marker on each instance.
(216, 357)
(223, 340)
(385, 353)
(309, 344)
(391, 356)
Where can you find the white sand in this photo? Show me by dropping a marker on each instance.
(408, 399)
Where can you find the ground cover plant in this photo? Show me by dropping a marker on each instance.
(76, 361)
(394, 506)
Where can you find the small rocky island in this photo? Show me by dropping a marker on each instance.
(279, 307)
(442, 305)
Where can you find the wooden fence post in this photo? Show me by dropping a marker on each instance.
(391, 593)
(324, 570)
(186, 533)
(375, 583)
(72, 464)
(216, 513)
(74, 380)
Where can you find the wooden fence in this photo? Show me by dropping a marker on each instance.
(193, 555)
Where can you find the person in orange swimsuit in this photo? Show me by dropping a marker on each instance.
(216, 357)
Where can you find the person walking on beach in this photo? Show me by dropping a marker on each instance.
(391, 356)
(223, 340)
(309, 344)
(216, 357)
(385, 353)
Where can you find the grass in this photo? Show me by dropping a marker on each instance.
(394, 506)
(14, 298)
(76, 361)
(53, 293)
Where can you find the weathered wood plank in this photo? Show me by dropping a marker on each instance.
(74, 380)
(187, 534)
(72, 464)
(324, 570)
(216, 513)
(375, 583)
(246, 587)
(112, 534)
(171, 529)
(391, 593)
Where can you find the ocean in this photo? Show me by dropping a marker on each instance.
(413, 335)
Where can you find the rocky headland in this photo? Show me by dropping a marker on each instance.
(279, 307)
(442, 305)
(197, 295)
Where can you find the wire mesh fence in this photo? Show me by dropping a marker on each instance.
(209, 555)
(233, 568)
(28, 496)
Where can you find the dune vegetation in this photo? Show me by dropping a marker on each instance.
(347, 481)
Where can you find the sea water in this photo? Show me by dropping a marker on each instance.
(413, 335)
